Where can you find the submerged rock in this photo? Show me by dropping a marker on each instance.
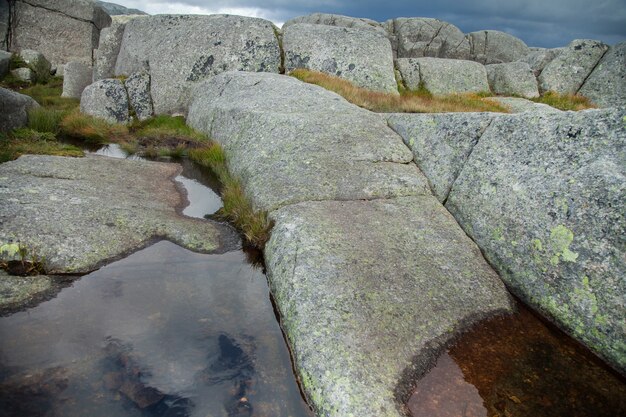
(178, 51)
(77, 213)
(289, 141)
(362, 57)
(544, 196)
(370, 293)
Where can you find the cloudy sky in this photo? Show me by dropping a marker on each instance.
(547, 23)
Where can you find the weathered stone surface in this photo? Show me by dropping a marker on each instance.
(443, 76)
(37, 62)
(106, 99)
(538, 59)
(544, 196)
(417, 37)
(362, 57)
(105, 56)
(180, 50)
(65, 30)
(76, 76)
(440, 143)
(5, 60)
(512, 78)
(337, 20)
(19, 291)
(361, 329)
(606, 86)
(309, 144)
(4, 25)
(138, 90)
(566, 73)
(521, 105)
(24, 74)
(78, 213)
(495, 47)
(113, 9)
(14, 109)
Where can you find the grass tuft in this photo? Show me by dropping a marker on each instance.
(43, 119)
(419, 101)
(91, 129)
(238, 210)
(27, 141)
(573, 102)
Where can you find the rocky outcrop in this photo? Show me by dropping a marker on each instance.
(65, 30)
(441, 143)
(113, 9)
(178, 51)
(81, 212)
(37, 62)
(76, 77)
(359, 327)
(538, 59)
(5, 60)
(512, 79)
(543, 195)
(362, 57)
(4, 25)
(24, 74)
(105, 56)
(567, 72)
(300, 146)
(337, 20)
(417, 37)
(14, 109)
(106, 99)
(495, 47)
(138, 91)
(443, 76)
(343, 194)
(606, 85)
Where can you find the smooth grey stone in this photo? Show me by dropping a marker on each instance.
(606, 86)
(495, 47)
(512, 78)
(106, 99)
(80, 213)
(14, 109)
(76, 76)
(337, 20)
(443, 76)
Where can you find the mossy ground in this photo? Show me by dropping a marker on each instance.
(419, 101)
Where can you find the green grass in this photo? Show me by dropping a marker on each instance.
(43, 119)
(79, 126)
(573, 102)
(167, 127)
(27, 141)
(418, 101)
(238, 210)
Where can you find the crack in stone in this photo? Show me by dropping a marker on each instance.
(37, 6)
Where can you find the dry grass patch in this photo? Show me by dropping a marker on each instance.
(420, 101)
(77, 125)
(573, 102)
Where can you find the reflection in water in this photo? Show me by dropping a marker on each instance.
(518, 366)
(164, 332)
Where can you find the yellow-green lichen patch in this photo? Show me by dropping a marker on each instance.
(560, 240)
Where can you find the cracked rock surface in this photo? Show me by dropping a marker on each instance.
(371, 275)
(78, 213)
(544, 196)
